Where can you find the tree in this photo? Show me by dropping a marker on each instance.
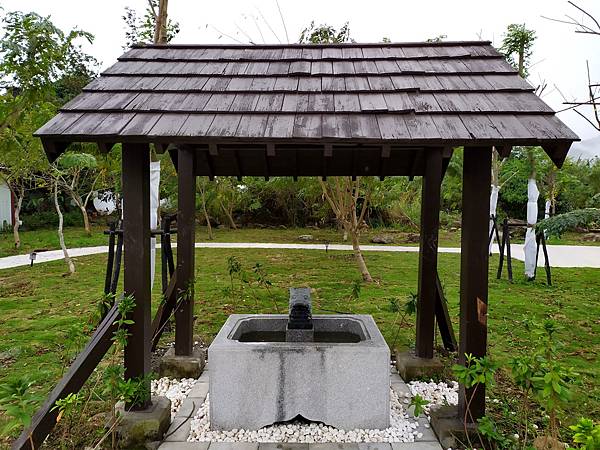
(203, 188)
(21, 158)
(37, 60)
(228, 195)
(588, 25)
(324, 34)
(517, 47)
(343, 194)
(153, 27)
(34, 54)
(77, 175)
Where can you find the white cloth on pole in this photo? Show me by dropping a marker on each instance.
(547, 209)
(493, 208)
(154, 200)
(530, 247)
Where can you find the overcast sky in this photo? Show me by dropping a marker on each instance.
(559, 54)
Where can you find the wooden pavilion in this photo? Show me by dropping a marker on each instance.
(310, 110)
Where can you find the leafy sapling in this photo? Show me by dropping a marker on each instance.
(418, 404)
(586, 434)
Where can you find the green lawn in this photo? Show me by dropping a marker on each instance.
(40, 310)
(76, 237)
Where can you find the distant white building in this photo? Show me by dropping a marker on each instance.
(7, 206)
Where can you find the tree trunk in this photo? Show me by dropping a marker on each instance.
(61, 236)
(362, 266)
(86, 220)
(229, 216)
(160, 27)
(206, 217)
(20, 195)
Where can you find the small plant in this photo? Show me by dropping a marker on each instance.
(234, 267)
(418, 403)
(488, 429)
(474, 373)
(587, 434)
(410, 308)
(66, 409)
(355, 292)
(18, 403)
(542, 376)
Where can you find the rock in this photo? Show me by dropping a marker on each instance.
(382, 239)
(547, 443)
(138, 427)
(591, 237)
(306, 237)
(411, 237)
(172, 365)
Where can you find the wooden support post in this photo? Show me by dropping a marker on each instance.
(430, 221)
(186, 222)
(474, 268)
(136, 242)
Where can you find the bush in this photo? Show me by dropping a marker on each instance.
(49, 219)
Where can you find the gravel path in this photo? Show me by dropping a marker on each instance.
(191, 422)
(560, 255)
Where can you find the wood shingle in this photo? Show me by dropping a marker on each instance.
(443, 94)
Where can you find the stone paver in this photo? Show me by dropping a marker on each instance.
(184, 446)
(334, 446)
(417, 446)
(374, 446)
(234, 446)
(281, 446)
(179, 430)
(175, 441)
(560, 255)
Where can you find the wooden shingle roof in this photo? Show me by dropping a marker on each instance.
(415, 94)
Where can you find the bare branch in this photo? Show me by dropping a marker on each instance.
(287, 37)
(585, 12)
(268, 25)
(597, 127)
(227, 35)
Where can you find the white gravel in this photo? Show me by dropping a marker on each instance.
(174, 389)
(403, 428)
(437, 394)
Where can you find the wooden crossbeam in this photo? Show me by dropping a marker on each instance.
(45, 418)
(236, 163)
(384, 156)
(443, 318)
(327, 155)
(415, 163)
(165, 310)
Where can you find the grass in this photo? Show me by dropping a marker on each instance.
(42, 313)
(76, 237)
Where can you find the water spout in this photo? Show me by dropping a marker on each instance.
(300, 324)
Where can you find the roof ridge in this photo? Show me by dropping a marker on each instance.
(333, 45)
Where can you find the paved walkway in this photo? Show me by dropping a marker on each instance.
(560, 255)
(176, 436)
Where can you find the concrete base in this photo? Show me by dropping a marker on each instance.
(136, 429)
(175, 366)
(411, 367)
(450, 430)
(257, 383)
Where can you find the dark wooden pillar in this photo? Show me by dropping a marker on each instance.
(136, 243)
(474, 266)
(186, 223)
(430, 221)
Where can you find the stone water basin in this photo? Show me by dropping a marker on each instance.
(341, 378)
